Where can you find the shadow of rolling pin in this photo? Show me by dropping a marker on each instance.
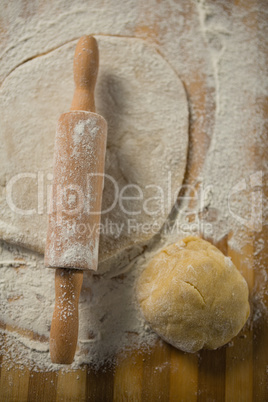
(78, 176)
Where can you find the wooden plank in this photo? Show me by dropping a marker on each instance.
(156, 373)
(128, 377)
(183, 376)
(260, 252)
(71, 386)
(2, 349)
(260, 323)
(14, 379)
(239, 357)
(211, 380)
(239, 371)
(42, 386)
(14, 383)
(99, 385)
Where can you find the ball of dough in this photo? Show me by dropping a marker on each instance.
(193, 296)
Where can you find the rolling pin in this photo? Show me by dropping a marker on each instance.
(74, 215)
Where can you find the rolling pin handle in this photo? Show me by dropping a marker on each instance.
(86, 64)
(64, 326)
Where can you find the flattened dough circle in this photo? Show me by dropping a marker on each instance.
(145, 105)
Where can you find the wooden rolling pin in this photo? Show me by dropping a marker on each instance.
(74, 216)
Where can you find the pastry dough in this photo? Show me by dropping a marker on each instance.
(193, 296)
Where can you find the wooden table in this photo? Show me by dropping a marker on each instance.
(238, 373)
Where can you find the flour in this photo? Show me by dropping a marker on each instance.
(216, 44)
(144, 103)
(79, 130)
(108, 314)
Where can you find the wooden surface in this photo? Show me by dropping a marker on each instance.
(238, 373)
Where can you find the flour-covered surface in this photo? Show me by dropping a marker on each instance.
(145, 105)
(107, 308)
(218, 49)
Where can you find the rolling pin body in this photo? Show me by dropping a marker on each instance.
(79, 156)
(74, 215)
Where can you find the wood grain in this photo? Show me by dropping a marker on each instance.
(128, 377)
(183, 376)
(71, 386)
